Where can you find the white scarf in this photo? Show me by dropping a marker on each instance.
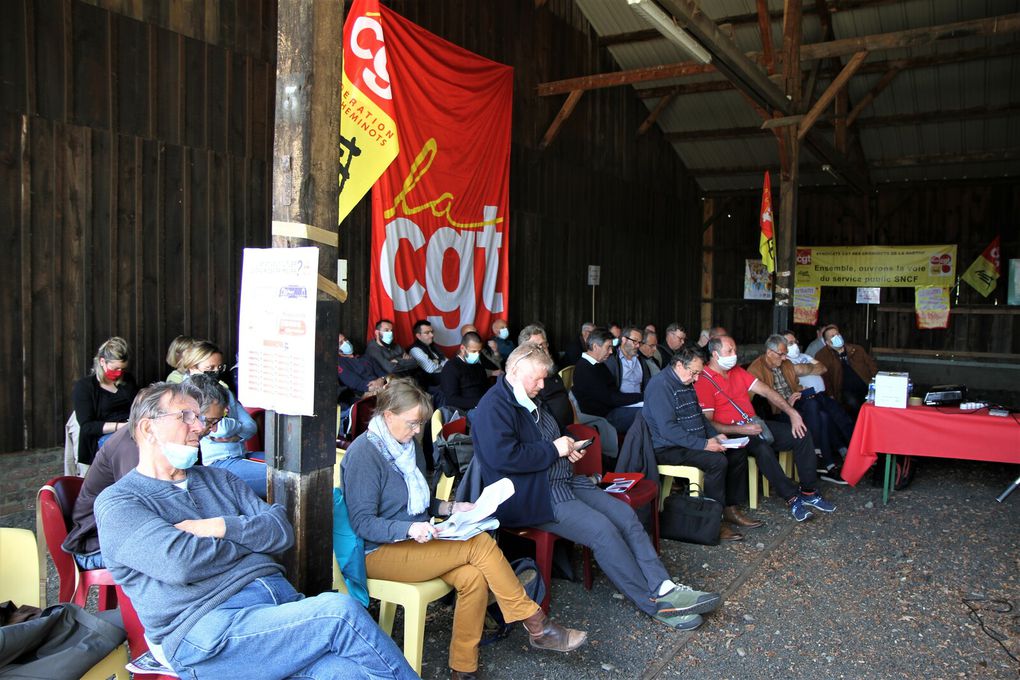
(404, 459)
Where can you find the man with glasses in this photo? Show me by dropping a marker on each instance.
(117, 457)
(553, 393)
(829, 426)
(629, 371)
(676, 337)
(649, 349)
(724, 391)
(193, 548)
(682, 435)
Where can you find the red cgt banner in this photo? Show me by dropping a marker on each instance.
(439, 212)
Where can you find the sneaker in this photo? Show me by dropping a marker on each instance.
(686, 600)
(832, 475)
(146, 663)
(678, 621)
(818, 503)
(800, 513)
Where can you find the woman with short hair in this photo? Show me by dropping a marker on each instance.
(102, 399)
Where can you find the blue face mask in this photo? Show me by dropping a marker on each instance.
(616, 342)
(837, 341)
(347, 347)
(387, 337)
(181, 456)
(472, 357)
(503, 334)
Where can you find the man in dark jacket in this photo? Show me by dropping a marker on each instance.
(629, 370)
(516, 437)
(462, 380)
(596, 390)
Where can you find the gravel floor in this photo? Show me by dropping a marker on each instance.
(867, 592)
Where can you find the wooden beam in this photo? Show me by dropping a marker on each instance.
(655, 113)
(710, 135)
(839, 136)
(765, 28)
(561, 118)
(868, 98)
(782, 121)
(785, 227)
(830, 92)
(948, 158)
(629, 77)
(643, 35)
(975, 113)
(683, 90)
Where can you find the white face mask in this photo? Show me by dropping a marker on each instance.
(387, 337)
(726, 363)
(616, 342)
(837, 341)
(472, 357)
(347, 347)
(793, 350)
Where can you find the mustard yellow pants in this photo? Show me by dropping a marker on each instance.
(473, 567)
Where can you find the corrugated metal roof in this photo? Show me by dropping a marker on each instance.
(967, 85)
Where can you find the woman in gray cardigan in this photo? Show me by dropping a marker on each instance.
(390, 506)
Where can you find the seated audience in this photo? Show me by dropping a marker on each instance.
(518, 438)
(117, 457)
(102, 399)
(676, 336)
(389, 502)
(491, 366)
(723, 395)
(848, 370)
(819, 342)
(775, 369)
(630, 373)
(554, 392)
(501, 338)
(703, 337)
(193, 549)
(387, 354)
(576, 346)
(463, 380)
(615, 330)
(223, 446)
(595, 388)
(649, 349)
(426, 353)
(682, 435)
(173, 356)
(357, 375)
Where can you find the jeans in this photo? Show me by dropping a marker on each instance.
(622, 417)
(89, 562)
(268, 630)
(829, 424)
(251, 472)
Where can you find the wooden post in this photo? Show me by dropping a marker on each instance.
(708, 216)
(789, 176)
(300, 450)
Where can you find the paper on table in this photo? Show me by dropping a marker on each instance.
(735, 443)
(637, 405)
(463, 525)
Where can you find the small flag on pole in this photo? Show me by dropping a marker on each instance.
(767, 243)
(983, 273)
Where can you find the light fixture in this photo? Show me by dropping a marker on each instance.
(665, 25)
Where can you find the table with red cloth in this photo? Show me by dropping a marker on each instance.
(933, 431)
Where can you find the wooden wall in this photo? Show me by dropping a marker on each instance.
(598, 195)
(969, 214)
(134, 139)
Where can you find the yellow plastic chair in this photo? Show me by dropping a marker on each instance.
(337, 472)
(785, 462)
(20, 583)
(413, 597)
(690, 473)
(437, 425)
(567, 376)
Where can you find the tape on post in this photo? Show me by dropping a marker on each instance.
(306, 231)
(330, 288)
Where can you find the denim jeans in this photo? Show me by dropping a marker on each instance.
(251, 472)
(268, 630)
(89, 562)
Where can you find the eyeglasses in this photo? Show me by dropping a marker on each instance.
(781, 355)
(212, 422)
(187, 416)
(414, 424)
(209, 369)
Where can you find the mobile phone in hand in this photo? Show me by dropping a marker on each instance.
(581, 446)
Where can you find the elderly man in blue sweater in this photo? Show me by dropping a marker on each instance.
(192, 548)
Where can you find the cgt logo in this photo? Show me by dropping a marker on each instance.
(375, 75)
(940, 265)
(804, 256)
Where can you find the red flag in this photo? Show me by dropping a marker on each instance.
(767, 242)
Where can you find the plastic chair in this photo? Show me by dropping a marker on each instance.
(413, 597)
(361, 412)
(567, 376)
(254, 443)
(136, 635)
(54, 504)
(337, 470)
(689, 472)
(785, 462)
(20, 584)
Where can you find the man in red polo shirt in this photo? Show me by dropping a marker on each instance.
(725, 399)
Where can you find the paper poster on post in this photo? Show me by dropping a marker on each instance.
(1013, 296)
(276, 347)
(757, 281)
(869, 296)
(805, 304)
(932, 307)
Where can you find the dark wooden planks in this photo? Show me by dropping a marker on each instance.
(13, 172)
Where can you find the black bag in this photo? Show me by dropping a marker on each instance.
(453, 455)
(691, 519)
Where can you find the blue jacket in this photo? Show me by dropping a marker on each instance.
(508, 443)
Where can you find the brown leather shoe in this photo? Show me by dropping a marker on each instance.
(544, 633)
(732, 514)
(728, 534)
(462, 675)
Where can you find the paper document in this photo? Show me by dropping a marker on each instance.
(463, 525)
(637, 405)
(735, 442)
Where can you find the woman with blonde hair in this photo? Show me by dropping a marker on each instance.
(102, 399)
(173, 356)
(224, 446)
(389, 502)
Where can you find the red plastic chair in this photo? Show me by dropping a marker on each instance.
(136, 635)
(255, 443)
(54, 504)
(361, 412)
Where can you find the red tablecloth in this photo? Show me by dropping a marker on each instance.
(940, 432)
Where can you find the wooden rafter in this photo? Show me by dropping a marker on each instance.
(561, 118)
(948, 158)
(653, 116)
(765, 28)
(868, 98)
(830, 92)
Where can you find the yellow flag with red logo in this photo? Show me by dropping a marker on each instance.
(368, 128)
(767, 241)
(983, 273)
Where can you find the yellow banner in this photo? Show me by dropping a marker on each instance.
(877, 266)
(932, 307)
